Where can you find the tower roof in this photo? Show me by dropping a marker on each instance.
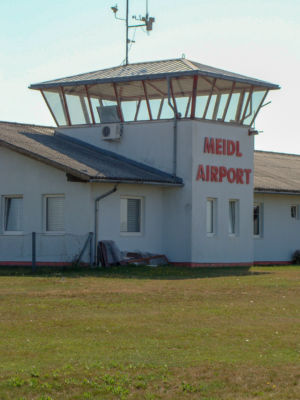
(152, 70)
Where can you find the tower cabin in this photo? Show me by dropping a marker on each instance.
(155, 91)
(189, 121)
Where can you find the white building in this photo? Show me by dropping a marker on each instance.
(156, 156)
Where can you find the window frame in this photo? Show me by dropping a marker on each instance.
(45, 197)
(214, 216)
(4, 198)
(237, 217)
(142, 205)
(260, 222)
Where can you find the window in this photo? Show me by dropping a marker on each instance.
(233, 217)
(79, 109)
(56, 104)
(54, 213)
(257, 219)
(253, 106)
(294, 212)
(131, 210)
(210, 216)
(13, 214)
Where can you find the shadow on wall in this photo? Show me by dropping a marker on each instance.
(167, 272)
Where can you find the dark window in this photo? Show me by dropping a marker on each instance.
(256, 219)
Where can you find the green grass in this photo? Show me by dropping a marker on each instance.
(150, 333)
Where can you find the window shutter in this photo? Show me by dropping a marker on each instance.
(55, 214)
(133, 215)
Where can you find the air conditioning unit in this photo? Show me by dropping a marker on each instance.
(111, 132)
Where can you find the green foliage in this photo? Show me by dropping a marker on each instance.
(45, 398)
(16, 381)
(188, 388)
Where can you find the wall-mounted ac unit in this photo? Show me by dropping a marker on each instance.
(111, 132)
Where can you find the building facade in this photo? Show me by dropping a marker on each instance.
(158, 157)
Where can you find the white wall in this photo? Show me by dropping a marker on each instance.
(151, 237)
(221, 247)
(280, 233)
(174, 217)
(21, 175)
(150, 143)
(178, 201)
(184, 236)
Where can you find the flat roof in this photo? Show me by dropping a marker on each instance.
(151, 70)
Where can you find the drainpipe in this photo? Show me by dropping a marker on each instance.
(174, 130)
(96, 217)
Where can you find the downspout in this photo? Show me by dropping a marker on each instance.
(174, 130)
(96, 217)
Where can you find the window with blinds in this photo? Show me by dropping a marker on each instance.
(13, 214)
(131, 210)
(55, 213)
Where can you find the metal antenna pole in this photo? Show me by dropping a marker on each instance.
(141, 22)
(127, 11)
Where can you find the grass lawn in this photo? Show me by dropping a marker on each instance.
(150, 333)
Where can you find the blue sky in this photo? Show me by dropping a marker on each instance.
(41, 40)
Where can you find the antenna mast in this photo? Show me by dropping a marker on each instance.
(146, 21)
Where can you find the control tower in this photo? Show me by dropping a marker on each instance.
(188, 120)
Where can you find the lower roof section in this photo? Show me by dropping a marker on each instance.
(78, 160)
(276, 173)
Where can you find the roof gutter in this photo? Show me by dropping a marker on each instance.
(274, 191)
(137, 182)
(49, 84)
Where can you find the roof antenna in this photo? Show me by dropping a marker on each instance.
(146, 21)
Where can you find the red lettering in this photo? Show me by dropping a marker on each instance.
(209, 145)
(238, 153)
(231, 175)
(219, 146)
(247, 172)
(200, 173)
(224, 147)
(214, 173)
(239, 176)
(230, 147)
(222, 173)
(207, 173)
